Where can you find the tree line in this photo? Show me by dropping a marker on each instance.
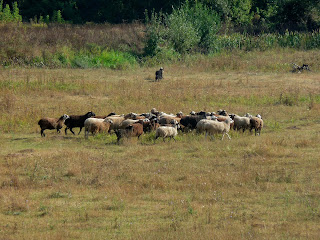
(240, 15)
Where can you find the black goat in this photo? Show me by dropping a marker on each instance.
(159, 74)
(77, 121)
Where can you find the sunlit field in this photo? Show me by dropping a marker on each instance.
(250, 187)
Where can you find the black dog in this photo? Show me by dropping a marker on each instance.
(159, 74)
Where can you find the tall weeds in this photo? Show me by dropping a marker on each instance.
(125, 45)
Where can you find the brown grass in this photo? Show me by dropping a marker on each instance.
(25, 42)
(64, 187)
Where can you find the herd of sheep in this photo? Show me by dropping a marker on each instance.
(165, 125)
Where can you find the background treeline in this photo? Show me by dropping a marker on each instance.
(169, 32)
(244, 15)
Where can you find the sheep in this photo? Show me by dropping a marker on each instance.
(256, 123)
(154, 111)
(190, 122)
(154, 124)
(116, 122)
(241, 123)
(159, 74)
(166, 119)
(213, 127)
(201, 124)
(134, 116)
(96, 125)
(133, 130)
(167, 131)
(127, 122)
(222, 112)
(77, 121)
(51, 123)
(104, 116)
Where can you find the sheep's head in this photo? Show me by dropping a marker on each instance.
(192, 113)
(214, 118)
(90, 114)
(228, 121)
(108, 121)
(64, 117)
(259, 116)
(223, 113)
(179, 114)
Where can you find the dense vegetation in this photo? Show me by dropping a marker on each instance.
(266, 15)
(165, 34)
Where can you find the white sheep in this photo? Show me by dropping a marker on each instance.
(96, 125)
(167, 131)
(241, 123)
(116, 122)
(201, 125)
(213, 127)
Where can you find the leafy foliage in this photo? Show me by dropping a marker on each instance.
(7, 15)
(188, 27)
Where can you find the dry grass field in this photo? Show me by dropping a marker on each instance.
(66, 187)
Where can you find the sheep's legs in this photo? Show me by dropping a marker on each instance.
(227, 135)
(79, 131)
(42, 133)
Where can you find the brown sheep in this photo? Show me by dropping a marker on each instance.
(51, 123)
(256, 123)
(134, 130)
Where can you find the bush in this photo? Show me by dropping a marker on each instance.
(186, 28)
(182, 33)
(154, 33)
(6, 15)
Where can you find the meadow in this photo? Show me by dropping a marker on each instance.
(66, 187)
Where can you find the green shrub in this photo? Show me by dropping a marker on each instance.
(155, 32)
(6, 15)
(182, 34)
(186, 28)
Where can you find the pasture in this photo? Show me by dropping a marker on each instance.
(66, 187)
